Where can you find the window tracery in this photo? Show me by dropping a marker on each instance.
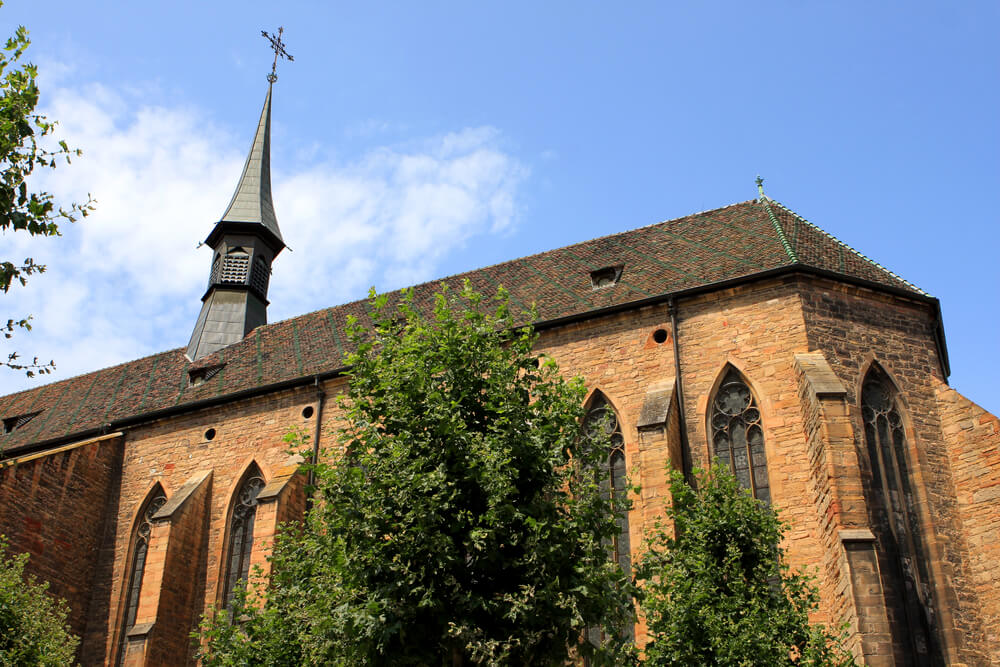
(895, 503)
(614, 476)
(737, 435)
(241, 526)
(140, 549)
(601, 419)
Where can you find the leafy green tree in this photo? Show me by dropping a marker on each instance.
(23, 148)
(33, 627)
(461, 519)
(717, 589)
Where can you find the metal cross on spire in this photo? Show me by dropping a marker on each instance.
(279, 50)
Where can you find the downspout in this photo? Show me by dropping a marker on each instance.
(311, 478)
(685, 448)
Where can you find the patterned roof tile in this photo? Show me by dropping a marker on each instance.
(696, 251)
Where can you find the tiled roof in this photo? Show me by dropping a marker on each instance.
(695, 251)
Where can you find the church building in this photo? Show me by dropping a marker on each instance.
(145, 492)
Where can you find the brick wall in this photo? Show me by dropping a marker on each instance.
(768, 331)
(758, 329)
(855, 327)
(171, 451)
(172, 600)
(972, 438)
(54, 506)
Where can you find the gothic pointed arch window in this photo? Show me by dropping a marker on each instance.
(737, 435)
(602, 419)
(241, 525)
(614, 476)
(905, 578)
(137, 564)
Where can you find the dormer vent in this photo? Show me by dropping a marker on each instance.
(11, 424)
(606, 277)
(200, 376)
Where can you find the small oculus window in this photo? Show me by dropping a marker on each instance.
(199, 376)
(11, 424)
(606, 277)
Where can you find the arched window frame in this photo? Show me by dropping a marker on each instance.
(142, 528)
(736, 432)
(240, 526)
(889, 451)
(601, 412)
(614, 470)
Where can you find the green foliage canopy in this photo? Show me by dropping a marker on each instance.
(460, 520)
(717, 589)
(21, 210)
(33, 627)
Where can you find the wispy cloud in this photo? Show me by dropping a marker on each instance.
(127, 281)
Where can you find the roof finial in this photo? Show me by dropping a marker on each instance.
(279, 50)
(760, 186)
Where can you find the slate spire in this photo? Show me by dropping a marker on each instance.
(251, 203)
(244, 242)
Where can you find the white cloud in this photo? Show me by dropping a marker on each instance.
(126, 281)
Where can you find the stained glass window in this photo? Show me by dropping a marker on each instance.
(614, 478)
(241, 533)
(895, 517)
(737, 436)
(140, 548)
(614, 483)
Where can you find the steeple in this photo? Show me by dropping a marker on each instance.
(244, 242)
(251, 203)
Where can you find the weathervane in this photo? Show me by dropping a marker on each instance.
(760, 186)
(279, 50)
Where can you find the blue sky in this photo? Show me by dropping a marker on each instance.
(416, 140)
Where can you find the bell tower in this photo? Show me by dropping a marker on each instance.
(244, 243)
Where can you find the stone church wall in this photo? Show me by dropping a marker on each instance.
(972, 437)
(856, 328)
(173, 451)
(758, 329)
(801, 344)
(55, 505)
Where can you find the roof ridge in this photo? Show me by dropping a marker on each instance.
(764, 199)
(453, 276)
(849, 248)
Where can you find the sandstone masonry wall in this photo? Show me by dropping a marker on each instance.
(972, 436)
(54, 505)
(779, 334)
(855, 327)
(170, 451)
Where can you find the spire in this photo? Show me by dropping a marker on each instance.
(244, 243)
(251, 203)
